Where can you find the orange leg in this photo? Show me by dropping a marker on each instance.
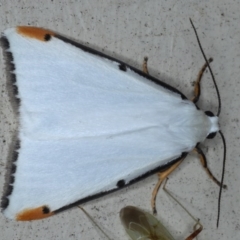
(196, 231)
(197, 88)
(144, 66)
(164, 174)
(161, 176)
(203, 161)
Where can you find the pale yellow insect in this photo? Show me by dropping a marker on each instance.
(141, 225)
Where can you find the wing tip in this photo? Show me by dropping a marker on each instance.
(35, 32)
(30, 214)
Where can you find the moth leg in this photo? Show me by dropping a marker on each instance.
(161, 177)
(196, 231)
(144, 66)
(197, 88)
(203, 161)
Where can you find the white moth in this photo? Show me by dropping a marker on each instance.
(88, 124)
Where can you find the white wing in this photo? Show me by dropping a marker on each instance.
(85, 124)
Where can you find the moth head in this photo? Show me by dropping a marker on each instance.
(214, 122)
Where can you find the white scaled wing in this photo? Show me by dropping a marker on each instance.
(88, 123)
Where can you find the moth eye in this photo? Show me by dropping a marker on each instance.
(209, 113)
(211, 135)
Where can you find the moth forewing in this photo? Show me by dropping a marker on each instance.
(89, 124)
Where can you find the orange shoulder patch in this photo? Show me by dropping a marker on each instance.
(34, 214)
(35, 32)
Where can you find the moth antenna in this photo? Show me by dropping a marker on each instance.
(207, 62)
(223, 172)
(218, 113)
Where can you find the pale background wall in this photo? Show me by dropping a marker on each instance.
(130, 30)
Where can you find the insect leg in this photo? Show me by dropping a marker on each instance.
(197, 227)
(144, 66)
(196, 231)
(204, 164)
(94, 222)
(161, 176)
(197, 88)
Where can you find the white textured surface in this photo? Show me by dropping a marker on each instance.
(160, 30)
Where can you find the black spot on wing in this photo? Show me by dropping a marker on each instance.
(122, 67)
(12, 179)
(9, 190)
(13, 168)
(4, 203)
(10, 67)
(47, 37)
(15, 152)
(15, 101)
(121, 183)
(9, 177)
(46, 210)
(15, 156)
